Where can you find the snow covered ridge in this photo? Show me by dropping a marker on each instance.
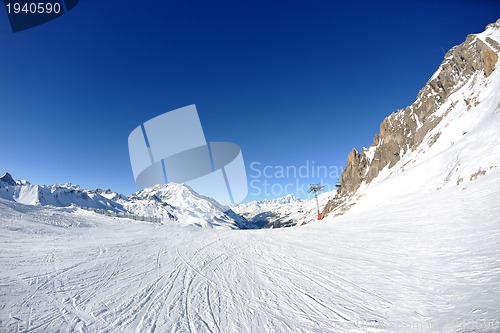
(271, 213)
(450, 117)
(266, 203)
(186, 205)
(175, 202)
(54, 195)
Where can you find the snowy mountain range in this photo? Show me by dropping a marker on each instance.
(174, 202)
(281, 212)
(451, 126)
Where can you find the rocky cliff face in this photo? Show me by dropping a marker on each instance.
(404, 130)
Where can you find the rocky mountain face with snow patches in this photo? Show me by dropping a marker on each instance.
(462, 84)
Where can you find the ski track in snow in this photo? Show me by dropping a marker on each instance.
(351, 273)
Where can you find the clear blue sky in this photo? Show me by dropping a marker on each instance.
(289, 81)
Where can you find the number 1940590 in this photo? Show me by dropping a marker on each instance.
(34, 8)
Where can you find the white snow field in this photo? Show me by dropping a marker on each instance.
(426, 265)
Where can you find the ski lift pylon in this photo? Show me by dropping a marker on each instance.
(316, 188)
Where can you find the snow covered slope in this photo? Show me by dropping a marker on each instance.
(462, 147)
(424, 263)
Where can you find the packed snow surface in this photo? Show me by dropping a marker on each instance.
(432, 264)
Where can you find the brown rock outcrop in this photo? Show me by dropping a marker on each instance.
(405, 129)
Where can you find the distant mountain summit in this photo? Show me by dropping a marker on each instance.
(7, 179)
(458, 102)
(281, 212)
(288, 199)
(185, 205)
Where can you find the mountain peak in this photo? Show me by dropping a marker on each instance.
(289, 198)
(7, 178)
(164, 190)
(495, 25)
